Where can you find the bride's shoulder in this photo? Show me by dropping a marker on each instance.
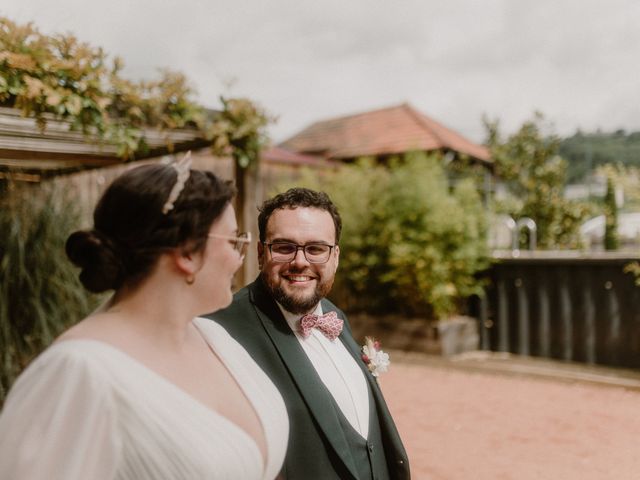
(97, 326)
(68, 362)
(210, 328)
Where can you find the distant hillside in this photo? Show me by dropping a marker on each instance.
(586, 151)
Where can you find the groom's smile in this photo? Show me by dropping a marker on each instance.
(298, 278)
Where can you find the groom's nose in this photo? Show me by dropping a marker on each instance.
(299, 260)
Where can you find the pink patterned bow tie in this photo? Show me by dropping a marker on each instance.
(329, 324)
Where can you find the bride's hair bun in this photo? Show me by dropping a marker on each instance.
(132, 228)
(97, 256)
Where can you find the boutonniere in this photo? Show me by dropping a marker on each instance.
(377, 361)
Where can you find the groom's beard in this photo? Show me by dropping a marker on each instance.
(300, 303)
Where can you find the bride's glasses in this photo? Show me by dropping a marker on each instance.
(240, 242)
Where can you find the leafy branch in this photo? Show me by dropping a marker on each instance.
(239, 130)
(71, 80)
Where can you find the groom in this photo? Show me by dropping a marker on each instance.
(340, 426)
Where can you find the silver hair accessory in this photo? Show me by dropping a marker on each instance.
(183, 169)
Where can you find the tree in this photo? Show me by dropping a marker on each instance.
(611, 217)
(625, 178)
(529, 165)
(587, 151)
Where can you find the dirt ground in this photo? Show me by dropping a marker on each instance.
(468, 425)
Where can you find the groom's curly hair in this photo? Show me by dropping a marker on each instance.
(294, 198)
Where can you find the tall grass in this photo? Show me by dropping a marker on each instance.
(40, 294)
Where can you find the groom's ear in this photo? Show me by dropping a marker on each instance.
(260, 247)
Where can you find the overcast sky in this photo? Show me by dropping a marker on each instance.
(577, 61)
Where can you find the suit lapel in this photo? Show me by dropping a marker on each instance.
(304, 375)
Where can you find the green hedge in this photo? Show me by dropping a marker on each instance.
(410, 243)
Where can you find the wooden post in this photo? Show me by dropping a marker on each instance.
(248, 185)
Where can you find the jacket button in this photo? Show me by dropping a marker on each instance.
(371, 448)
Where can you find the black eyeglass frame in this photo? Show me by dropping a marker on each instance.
(299, 247)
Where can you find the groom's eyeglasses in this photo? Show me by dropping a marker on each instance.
(284, 252)
(240, 242)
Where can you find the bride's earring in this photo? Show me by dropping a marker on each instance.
(190, 279)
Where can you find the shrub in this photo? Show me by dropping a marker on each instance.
(409, 244)
(40, 294)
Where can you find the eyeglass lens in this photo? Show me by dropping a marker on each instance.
(286, 252)
(242, 244)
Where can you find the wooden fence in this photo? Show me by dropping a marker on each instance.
(563, 305)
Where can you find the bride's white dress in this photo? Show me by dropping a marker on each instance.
(86, 410)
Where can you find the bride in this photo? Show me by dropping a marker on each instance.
(143, 388)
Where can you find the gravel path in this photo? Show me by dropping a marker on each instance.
(459, 425)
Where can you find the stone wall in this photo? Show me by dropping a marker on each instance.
(448, 337)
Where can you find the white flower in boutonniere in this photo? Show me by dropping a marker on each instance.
(377, 361)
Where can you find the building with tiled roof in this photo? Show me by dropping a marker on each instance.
(278, 155)
(383, 133)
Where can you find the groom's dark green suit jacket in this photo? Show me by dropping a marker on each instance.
(318, 446)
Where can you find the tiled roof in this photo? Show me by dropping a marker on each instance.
(281, 155)
(386, 131)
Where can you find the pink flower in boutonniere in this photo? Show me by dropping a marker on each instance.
(377, 361)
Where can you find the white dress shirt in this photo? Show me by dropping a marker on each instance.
(338, 371)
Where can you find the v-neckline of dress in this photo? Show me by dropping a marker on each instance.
(182, 392)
